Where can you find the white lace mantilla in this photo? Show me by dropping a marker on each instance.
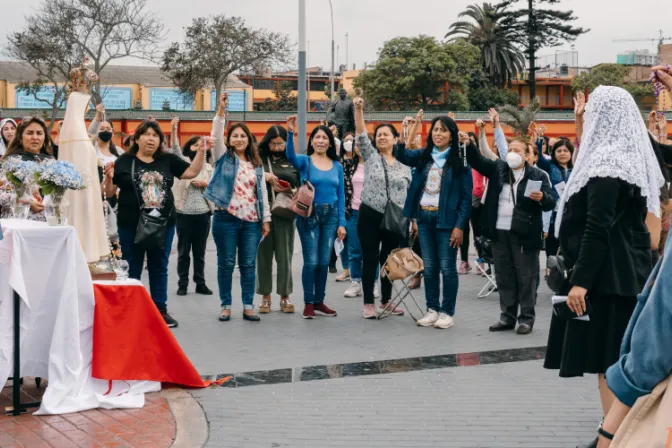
(615, 144)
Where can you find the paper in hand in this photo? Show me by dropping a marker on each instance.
(339, 246)
(533, 186)
(560, 188)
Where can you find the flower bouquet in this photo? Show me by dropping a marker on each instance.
(20, 174)
(54, 178)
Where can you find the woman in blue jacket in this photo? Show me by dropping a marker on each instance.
(242, 215)
(322, 169)
(439, 200)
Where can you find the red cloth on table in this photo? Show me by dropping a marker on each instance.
(132, 342)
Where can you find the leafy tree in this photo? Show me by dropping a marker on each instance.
(612, 75)
(61, 33)
(500, 58)
(412, 72)
(487, 97)
(520, 119)
(535, 28)
(285, 100)
(216, 47)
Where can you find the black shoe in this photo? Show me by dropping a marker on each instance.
(592, 444)
(202, 289)
(251, 317)
(524, 329)
(332, 269)
(501, 326)
(168, 319)
(181, 290)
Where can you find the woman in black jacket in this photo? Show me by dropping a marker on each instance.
(513, 222)
(603, 236)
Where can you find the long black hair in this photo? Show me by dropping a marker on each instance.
(16, 145)
(191, 154)
(455, 159)
(273, 132)
(113, 148)
(559, 144)
(141, 130)
(331, 152)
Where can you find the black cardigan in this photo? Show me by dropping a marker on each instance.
(604, 238)
(498, 174)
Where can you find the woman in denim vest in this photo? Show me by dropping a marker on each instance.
(322, 169)
(242, 216)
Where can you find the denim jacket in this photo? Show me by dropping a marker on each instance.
(454, 197)
(646, 357)
(220, 188)
(556, 173)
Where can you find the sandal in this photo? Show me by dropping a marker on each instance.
(415, 282)
(285, 305)
(265, 306)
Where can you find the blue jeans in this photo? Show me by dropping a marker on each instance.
(354, 248)
(157, 263)
(439, 258)
(317, 241)
(231, 234)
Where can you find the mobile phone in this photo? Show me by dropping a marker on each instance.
(283, 183)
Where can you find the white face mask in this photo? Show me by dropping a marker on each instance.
(347, 145)
(514, 160)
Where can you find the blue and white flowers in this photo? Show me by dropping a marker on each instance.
(55, 175)
(19, 172)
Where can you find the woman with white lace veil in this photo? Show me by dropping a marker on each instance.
(603, 236)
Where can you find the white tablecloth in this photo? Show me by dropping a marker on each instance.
(47, 268)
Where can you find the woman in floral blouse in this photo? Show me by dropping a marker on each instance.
(242, 215)
(377, 243)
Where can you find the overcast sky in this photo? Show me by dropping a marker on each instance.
(370, 23)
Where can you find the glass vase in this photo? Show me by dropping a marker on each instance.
(21, 200)
(56, 208)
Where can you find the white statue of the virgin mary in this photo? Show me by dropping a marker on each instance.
(86, 206)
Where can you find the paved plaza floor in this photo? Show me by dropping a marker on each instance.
(347, 381)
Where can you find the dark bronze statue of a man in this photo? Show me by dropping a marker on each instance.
(343, 114)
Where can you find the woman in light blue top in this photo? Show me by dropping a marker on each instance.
(322, 169)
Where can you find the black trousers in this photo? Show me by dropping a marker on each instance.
(516, 272)
(376, 247)
(476, 228)
(552, 243)
(192, 237)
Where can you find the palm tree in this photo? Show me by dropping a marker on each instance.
(500, 59)
(520, 119)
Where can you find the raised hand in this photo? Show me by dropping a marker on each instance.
(174, 122)
(359, 103)
(579, 104)
(494, 117)
(663, 73)
(420, 114)
(480, 124)
(291, 123)
(100, 111)
(451, 116)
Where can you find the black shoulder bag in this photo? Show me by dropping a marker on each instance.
(151, 230)
(393, 220)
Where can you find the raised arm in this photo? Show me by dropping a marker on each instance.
(483, 145)
(298, 161)
(174, 138)
(500, 138)
(413, 130)
(218, 128)
(95, 123)
(485, 166)
(579, 109)
(365, 146)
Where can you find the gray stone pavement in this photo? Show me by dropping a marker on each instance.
(508, 405)
(503, 405)
(285, 341)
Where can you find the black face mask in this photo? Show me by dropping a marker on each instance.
(105, 136)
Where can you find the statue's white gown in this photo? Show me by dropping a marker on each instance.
(86, 206)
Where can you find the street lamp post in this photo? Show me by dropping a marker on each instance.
(302, 76)
(333, 92)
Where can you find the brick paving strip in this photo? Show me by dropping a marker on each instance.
(153, 426)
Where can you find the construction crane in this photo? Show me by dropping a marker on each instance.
(660, 39)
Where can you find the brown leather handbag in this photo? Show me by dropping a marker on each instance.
(282, 202)
(402, 263)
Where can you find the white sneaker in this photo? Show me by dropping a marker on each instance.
(445, 321)
(376, 293)
(354, 290)
(430, 318)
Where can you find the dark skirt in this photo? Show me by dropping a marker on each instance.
(576, 347)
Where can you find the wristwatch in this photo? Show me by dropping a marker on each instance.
(603, 433)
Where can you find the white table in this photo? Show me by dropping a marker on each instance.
(47, 268)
